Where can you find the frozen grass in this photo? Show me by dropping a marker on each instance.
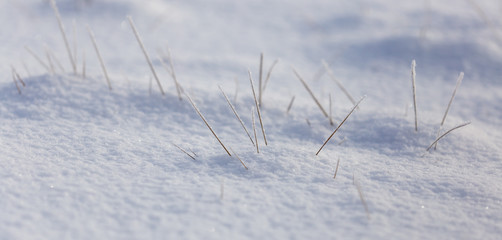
(82, 162)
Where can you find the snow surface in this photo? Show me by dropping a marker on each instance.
(78, 161)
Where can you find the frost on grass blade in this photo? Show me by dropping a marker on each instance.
(93, 39)
(207, 124)
(140, 42)
(236, 115)
(459, 80)
(237, 156)
(254, 130)
(181, 149)
(257, 108)
(444, 134)
(361, 197)
(311, 93)
(39, 60)
(338, 83)
(336, 170)
(63, 33)
(345, 119)
(413, 75)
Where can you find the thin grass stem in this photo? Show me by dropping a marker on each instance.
(338, 83)
(192, 157)
(61, 27)
(140, 42)
(345, 119)
(444, 134)
(257, 108)
(207, 124)
(236, 115)
(311, 93)
(98, 54)
(237, 156)
(336, 170)
(413, 75)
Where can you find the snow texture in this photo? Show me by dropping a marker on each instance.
(78, 161)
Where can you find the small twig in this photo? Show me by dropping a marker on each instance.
(236, 115)
(290, 104)
(257, 108)
(413, 74)
(311, 93)
(336, 170)
(355, 106)
(237, 156)
(254, 130)
(140, 42)
(308, 122)
(93, 39)
(192, 157)
(61, 27)
(363, 201)
(260, 88)
(338, 83)
(444, 134)
(207, 124)
(459, 80)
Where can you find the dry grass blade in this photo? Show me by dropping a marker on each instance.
(260, 80)
(207, 124)
(15, 82)
(140, 42)
(254, 130)
(93, 39)
(345, 119)
(338, 83)
(18, 77)
(444, 134)
(257, 108)
(237, 156)
(170, 69)
(363, 201)
(459, 81)
(51, 66)
(336, 170)
(269, 73)
(311, 93)
(290, 104)
(39, 60)
(236, 115)
(53, 57)
(61, 27)
(192, 157)
(413, 75)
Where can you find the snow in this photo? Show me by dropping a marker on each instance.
(78, 161)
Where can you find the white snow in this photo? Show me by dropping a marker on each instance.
(78, 161)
